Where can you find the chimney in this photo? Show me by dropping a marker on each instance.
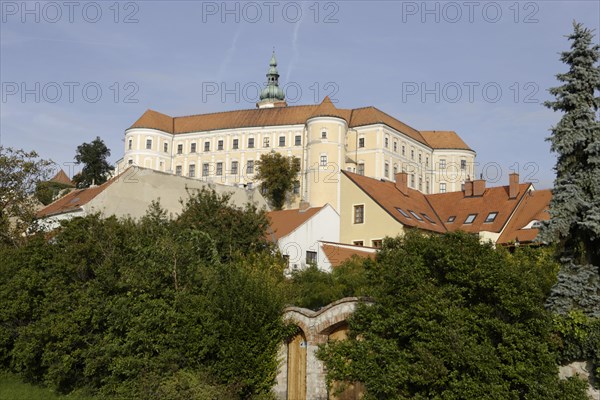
(468, 188)
(402, 182)
(478, 187)
(513, 185)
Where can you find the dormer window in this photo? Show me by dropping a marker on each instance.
(470, 218)
(491, 217)
(451, 218)
(428, 218)
(401, 211)
(414, 214)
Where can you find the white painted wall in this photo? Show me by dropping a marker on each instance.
(324, 225)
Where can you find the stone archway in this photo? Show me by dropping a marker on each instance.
(316, 326)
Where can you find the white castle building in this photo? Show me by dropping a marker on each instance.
(225, 146)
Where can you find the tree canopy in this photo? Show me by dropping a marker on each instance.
(96, 169)
(154, 309)
(575, 206)
(277, 174)
(452, 319)
(20, 173)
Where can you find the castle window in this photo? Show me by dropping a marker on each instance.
(298, 140)
(361, 169)
(412, 180)
(403, 150)
(219, 169)
(386, 170)
(266, 141)
(412, 154)
(178, 170)
(205, 169)
(296, 189)
(130, 162)
(192, 170)
(419, 157)
(250, 167)
(442, 187)
(395, 169)
(386, 142)
(324, 135)
(236, 144)
(148, 144)
(281, 141)
(395, 146)
(234, 168)
(442, 163)
(130, 144)
(359, 214)
(463, 164)
(323, 160)
(179, 149)
(250, 143)
(206, 146)
(220, 145)
(165, 147)
(361, 142)
(420, 184)
(427, 187)
(377, 243)
(193, 147)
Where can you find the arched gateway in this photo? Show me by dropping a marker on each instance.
(301, 375)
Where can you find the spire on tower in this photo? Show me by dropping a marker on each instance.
(272, 95)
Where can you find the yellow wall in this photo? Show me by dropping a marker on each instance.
(377, 222)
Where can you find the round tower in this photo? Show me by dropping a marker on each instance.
(326, 131)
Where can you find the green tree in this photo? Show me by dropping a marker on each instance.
(575, 208)
(96, 168)
(20, 173)
(451, 319)
(278, 175)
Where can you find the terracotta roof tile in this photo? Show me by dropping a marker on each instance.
(535, 206)
(444, 140)
(276, 116)
(338, 253)
(390, 198)
(74, 200)
(494, 199)
(371, 115)
(284, 222)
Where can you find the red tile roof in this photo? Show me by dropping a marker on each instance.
(535, 206)
(74, 200)
(444, 140)
(338, 253)
(494, 199)
(284, 222)
(290, 115)
(390, 199)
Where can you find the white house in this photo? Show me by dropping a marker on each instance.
(298, 233)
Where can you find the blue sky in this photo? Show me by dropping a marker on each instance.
(74, 71)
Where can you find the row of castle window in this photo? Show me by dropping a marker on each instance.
(361, 144)
(206, 169)
(235, 144)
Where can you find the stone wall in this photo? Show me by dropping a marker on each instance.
(584, 370)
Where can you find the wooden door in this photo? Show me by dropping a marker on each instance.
(297, 368)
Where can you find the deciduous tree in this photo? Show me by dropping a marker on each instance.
(96, 169)
(277, 174)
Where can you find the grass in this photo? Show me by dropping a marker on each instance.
(13, 388)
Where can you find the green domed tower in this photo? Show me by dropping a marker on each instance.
(272, 95)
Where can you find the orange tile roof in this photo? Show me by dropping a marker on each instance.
(494, 199)
(74, 200)
(276, 116)
(284, 222)
(389, 198)
(444, 140)
(338, 253)
(61, 177)
(371, 115)
(535, 206)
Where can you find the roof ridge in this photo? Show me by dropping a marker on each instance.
(244, 109)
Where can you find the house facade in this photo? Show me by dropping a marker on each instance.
(224, 147)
